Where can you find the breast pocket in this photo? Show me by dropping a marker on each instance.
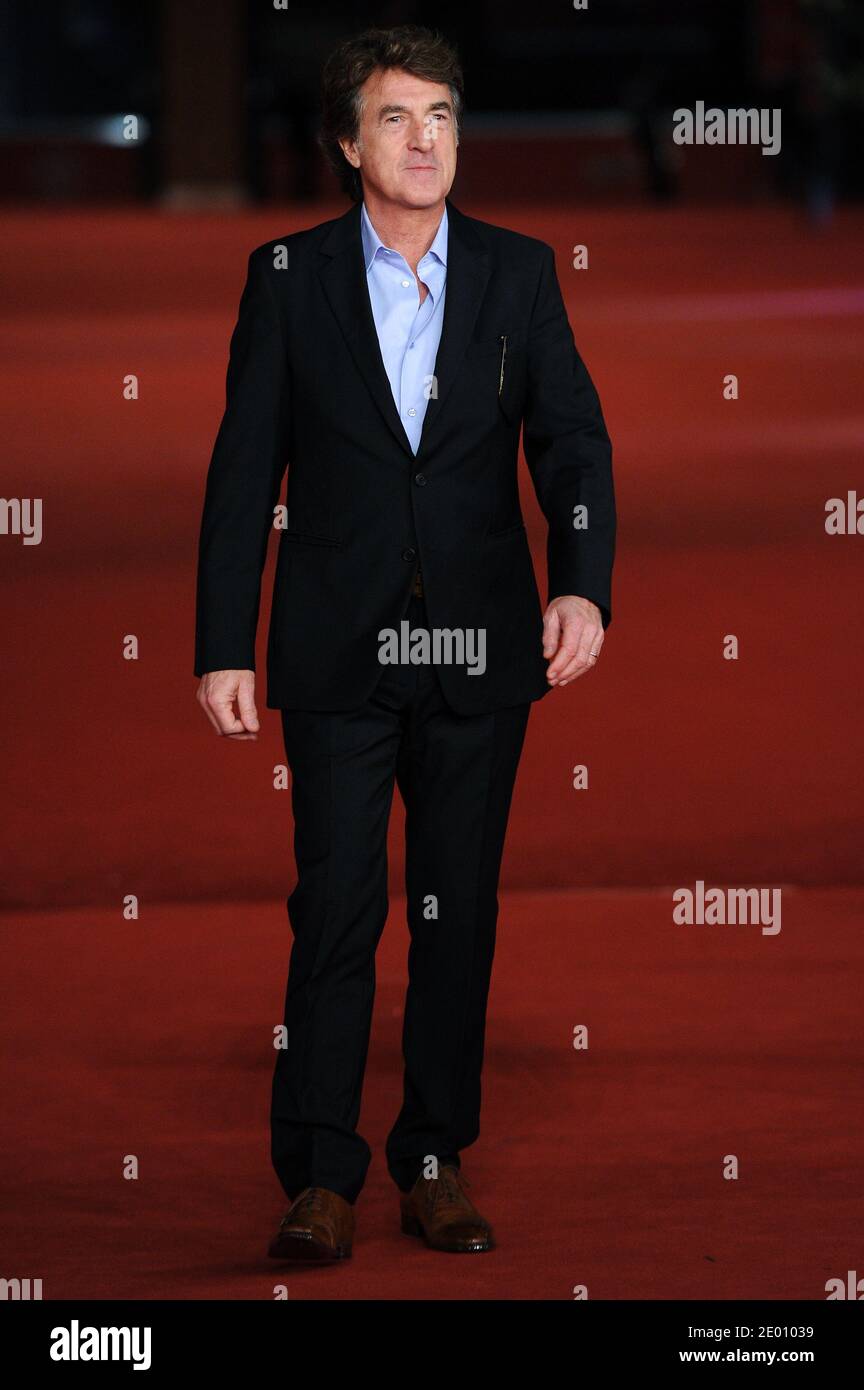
(499, 362)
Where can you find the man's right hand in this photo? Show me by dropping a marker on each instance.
(217, 694)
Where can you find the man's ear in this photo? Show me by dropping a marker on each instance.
(349, 149)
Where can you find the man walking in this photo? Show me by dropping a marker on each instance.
(389, 358)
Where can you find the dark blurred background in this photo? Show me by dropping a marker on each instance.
(572, 104)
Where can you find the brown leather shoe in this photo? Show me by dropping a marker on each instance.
(317, 1228)
(439, 1210)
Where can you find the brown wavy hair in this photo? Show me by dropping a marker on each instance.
(422, 52)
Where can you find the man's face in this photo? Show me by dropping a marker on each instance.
(406, 146)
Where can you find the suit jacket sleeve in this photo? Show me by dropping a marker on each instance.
(568, 452)
(244, 478)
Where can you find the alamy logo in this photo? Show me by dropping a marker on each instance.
(77, 1343)
(720, 906)
(727, 126)
(442, 646)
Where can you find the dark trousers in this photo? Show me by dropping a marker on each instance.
(455, 774)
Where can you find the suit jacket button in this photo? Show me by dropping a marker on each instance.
(409, 554)
(420, 479)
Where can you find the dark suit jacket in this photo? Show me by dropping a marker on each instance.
(307, 389)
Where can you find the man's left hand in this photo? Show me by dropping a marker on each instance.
(572, 636)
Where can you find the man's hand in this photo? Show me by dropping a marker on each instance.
(216, 695)
(573, 636)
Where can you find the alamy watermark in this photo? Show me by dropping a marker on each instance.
(21, 516)
(438, 646)
(727, 126)
(722, 906)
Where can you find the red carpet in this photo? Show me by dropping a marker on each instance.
(699, 767)
(600, 1167)
(152, 1037)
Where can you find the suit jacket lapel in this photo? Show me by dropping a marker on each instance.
(343, 276)
(467, 277)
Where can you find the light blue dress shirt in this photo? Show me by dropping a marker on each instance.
(408, 332)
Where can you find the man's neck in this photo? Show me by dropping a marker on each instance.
(410, 231)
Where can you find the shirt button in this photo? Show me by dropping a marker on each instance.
(412, 411)
(409, 554)
(406, 284)
(420, 479)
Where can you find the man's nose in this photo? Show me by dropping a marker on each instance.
(422, 134)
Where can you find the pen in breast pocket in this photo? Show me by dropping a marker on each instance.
(503, 355)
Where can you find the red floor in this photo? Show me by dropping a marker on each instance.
(744, 770)
(601, 1168)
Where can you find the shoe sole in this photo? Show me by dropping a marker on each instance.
(412, 1227)
(304, 1250)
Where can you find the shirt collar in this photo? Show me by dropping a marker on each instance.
(372, 243)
